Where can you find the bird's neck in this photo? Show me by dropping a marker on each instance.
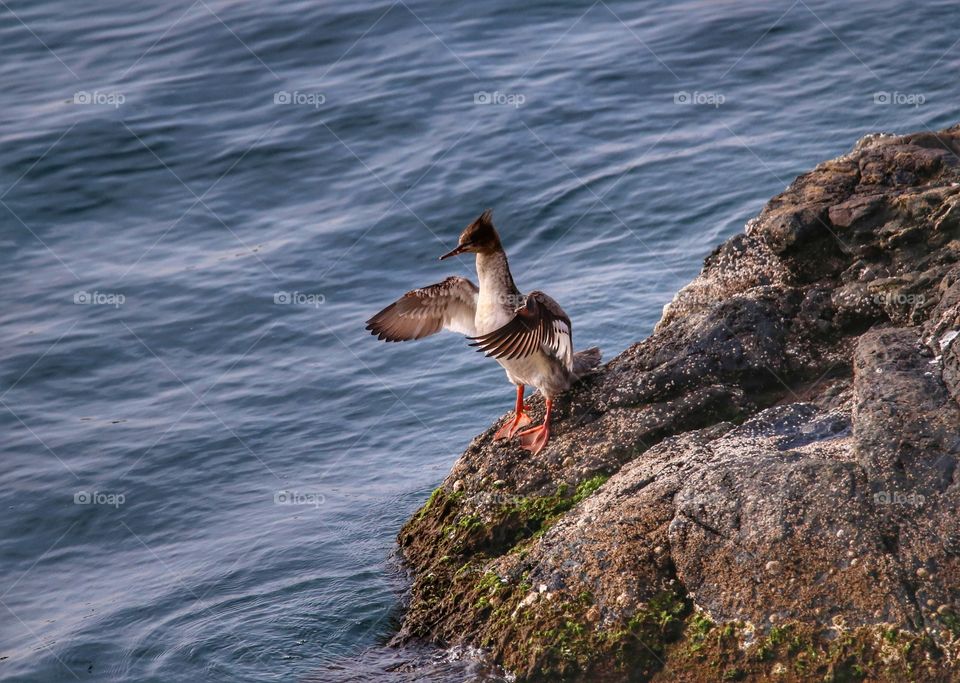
(493, 271)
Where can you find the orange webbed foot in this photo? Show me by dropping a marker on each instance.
(512, 426)
(535, 439)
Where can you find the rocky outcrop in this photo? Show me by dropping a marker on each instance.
(765, 488)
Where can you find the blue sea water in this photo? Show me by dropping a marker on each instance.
(205, 456)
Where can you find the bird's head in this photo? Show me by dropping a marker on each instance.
(479, 237)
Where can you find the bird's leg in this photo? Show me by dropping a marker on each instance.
(535, 439)
(519, 420)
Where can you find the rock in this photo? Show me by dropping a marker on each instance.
(767, 484)
(855, 211)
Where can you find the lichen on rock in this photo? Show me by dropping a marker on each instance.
(763, 489)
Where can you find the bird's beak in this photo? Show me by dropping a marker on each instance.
(459, 250)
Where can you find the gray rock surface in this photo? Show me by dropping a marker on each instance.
(776, 465)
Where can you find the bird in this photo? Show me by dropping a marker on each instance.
(529, 335)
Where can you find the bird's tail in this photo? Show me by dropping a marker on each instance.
(585, 361)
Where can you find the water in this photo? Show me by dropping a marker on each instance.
(147, 168)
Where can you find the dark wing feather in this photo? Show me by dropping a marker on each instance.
(539, 324)
(450, 305)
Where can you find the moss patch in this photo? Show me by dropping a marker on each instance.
(797, 652)
(538, 513)
(454, 530)
(551, 638)
(452, 538)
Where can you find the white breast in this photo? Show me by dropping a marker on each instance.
(491, 313)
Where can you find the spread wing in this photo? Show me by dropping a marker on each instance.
(447, 305)
(539, 325)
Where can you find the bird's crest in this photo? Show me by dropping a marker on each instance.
(481, 235)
